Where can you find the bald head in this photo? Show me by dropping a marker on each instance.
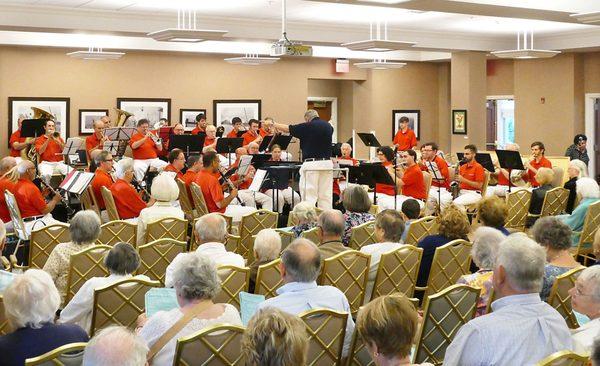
(7, 164)
(301, 261)
(24, 166)
(332, 223)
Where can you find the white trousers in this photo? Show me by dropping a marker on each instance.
(316, 183)
(251, 199)
(434, 197)
(283, 196)
(140, 166)
(501, 191)
(48, 168)
(236, 211)
(38, 224)
(467, 197)
(386, 202)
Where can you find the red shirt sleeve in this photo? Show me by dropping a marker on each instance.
(216, 192)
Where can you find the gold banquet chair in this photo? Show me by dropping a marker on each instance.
(167, 228)
(185, 201)
(250, 225)
(88, 200)
(268, 279)
(450, 262)
(312, 235)
(518, 207)
(198, 200)
(326, 331)
(44, 240)
(287, 237)
(68, 355)
(119, 303)
(19, 228)
(216, 345)
(84, 265)
(349, 272)
(109, 203)
(421, 228)
(559, 297)
(555, 202)
(156, 256)
(361, 235)
(397, 272)
(4, 326)
(586, 235)
(443, 315)
(565, 358)
(117, 231)
(233, 281)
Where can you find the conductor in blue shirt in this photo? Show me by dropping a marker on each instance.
(316, 174)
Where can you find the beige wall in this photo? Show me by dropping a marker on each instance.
(500, 77)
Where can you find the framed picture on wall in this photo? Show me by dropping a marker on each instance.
(414, 119)
(21, 107)
(187, 117)
(459, 121)
(87, 118)
(152, 109)
(225, 110)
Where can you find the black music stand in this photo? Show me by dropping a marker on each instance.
(369, 139)
(484, 159)
(72, 150)
(266, 143)
(33, 127)
(278, 177)
(240, 133)
(228, 146)
(336, 149)
(509, 160)
(259, 160)
(370, 174)
(190, 144)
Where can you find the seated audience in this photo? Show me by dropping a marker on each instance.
(164, 192)
(306, 214)
(577, 169)
(589, 191)
(493, 211)
(555, 237)
(121, 261)
(389, 227)
(211, 232)
(115, 345)
(357, 203)
(84, 230)
(331, 230)
(483, 252)
(300, 266)
(30, 304)
(267, 247)
(128, 201)
(522, 329)
(411, 210)
(544, 177)
(196, 285)
(274, 337)
(585, 299)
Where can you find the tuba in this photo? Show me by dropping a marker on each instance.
(30, 153)
(122, 117)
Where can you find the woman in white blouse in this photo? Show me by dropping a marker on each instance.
(164, 191)
(585, 299)
(121, 261)
(196, 285)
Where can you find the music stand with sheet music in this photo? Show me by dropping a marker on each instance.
(510, 160)
(71, 150)
(278, 176)
(112, 147)
(190, 144)
(228, 145)
(282, 140)
(258, 160)
(119, 133)
(240, 133)
(369, 139)
(371, 174)
(437, 175)
(485, 159)
(265, 143)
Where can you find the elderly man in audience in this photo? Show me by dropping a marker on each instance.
(522, 329)
(196, 285)
(331, 230)
(300, 267)
(211, 232)
(576, 169)
(164, 192)
(411, 210)
(84, 230)
(121, 261)
(274, 337)
(555, 237)
(544, 178)
(493, 211)
(30, 304)
(588, 190)
(483, 252)
(127, 199)
(115, 345)
(267, 247)
(389, 227)
(357, 203)
(306, 214)
(585, 299)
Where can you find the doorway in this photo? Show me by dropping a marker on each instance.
(327, 107)
(500, 122)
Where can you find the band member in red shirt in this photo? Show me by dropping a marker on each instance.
(18, 143)
(6, 164)
(97, 139)
(145, 147)
(405, 138)
(200, 124)
(409, 182)
(210, 141)
(252, 134)
(128, 201)
(538, 160)
(470, 178)
(437, 167)
(266, 128)
(236, 122)
(176, 163)
(49, 147)
(102, 176)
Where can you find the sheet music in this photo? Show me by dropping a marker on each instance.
(72, 145)
(160, 299)
(76, 182)
(245, 161)
(257, 182)
(433, 168)
(345, 162)
(248, 305)
(119, 133)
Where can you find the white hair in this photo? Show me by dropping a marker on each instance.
(210, 127)
(580, 166)
(24, 166)
(164, 188)
(345, 144)
(31, 300)
(485, 246)
(588, 188)
(523, 261)
(305, 212)
(123, 166)
(211, 228)
(195, 277)
(267, 244)
(115, 345)
(592, 276)
(85, 227)
(311, 114)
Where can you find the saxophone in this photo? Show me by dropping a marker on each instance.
(455, 185)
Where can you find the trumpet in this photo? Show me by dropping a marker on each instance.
(157, 140)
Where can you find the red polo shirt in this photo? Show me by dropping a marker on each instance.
(385, 188)
(92, 142)
(197, 130)
(209, 140)
(211, 190)
(146, 151)
(15, 137)
(543, 163)
(53, 150)
(232, 134)
(101, 179)
(30, 199)
(442, 167)
(128, 202)
(5, 185)
(502, 180)
(414, 184)
(472, 171)
(249, 137)
(405, 140)
(171, 168)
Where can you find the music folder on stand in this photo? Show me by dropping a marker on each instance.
(33, 127)
(278, 177)
(73, 151)
(370, 174)
(189, 144)
(228, 145)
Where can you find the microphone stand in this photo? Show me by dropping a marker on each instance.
(395, 179)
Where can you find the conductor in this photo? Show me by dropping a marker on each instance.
(316, 175)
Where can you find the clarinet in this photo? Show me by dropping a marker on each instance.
(70, 211)
(230, 184)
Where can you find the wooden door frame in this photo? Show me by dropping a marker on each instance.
(334, 112)
(589, 130)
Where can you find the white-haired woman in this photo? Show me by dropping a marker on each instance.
(129, 202)
(84, 229)
(164, 192)
(577, 169)
(196, 285)
(589, 191)
(585, 299)
(307, 217)
(267, 247)
(485, 247)
(30, 304)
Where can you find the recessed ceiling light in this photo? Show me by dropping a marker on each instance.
(186, 30)
(252, 60)
(377, 41)
(380, 65)
(96, 54)
(525, 49)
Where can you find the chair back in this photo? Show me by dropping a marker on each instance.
(359, 355)
(397, 272)
(15, 216)
(4, 326)
(250, 225)
(312, 235)
(559, 297)
(117, 231)
(233, 281)
(486, 181)
(109, 203)
(287, 237)
(349, 272)
(421, 228)
(268, 279)
(518, 207)
(590, 225)
(198, 200)
(292, 219)
(68, 355)
(185, 201)
(363, 234)
(326, 331)
(84, 265)
(565, 358)
(443, 315)
(120, 303)
(167, 228)
(217, 345)
(156, 256)
(555, 201)
(427, 178)
(450, 262)
(44, 240)
(88, 200)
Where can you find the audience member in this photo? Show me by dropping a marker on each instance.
(411, 210)
(306, 214)
(588, 190)
(267, 247)
(115, 345)
(492, 211)
(577, 169)
(331, 230)
(544, 177)
(585, 299)
(357, 204)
